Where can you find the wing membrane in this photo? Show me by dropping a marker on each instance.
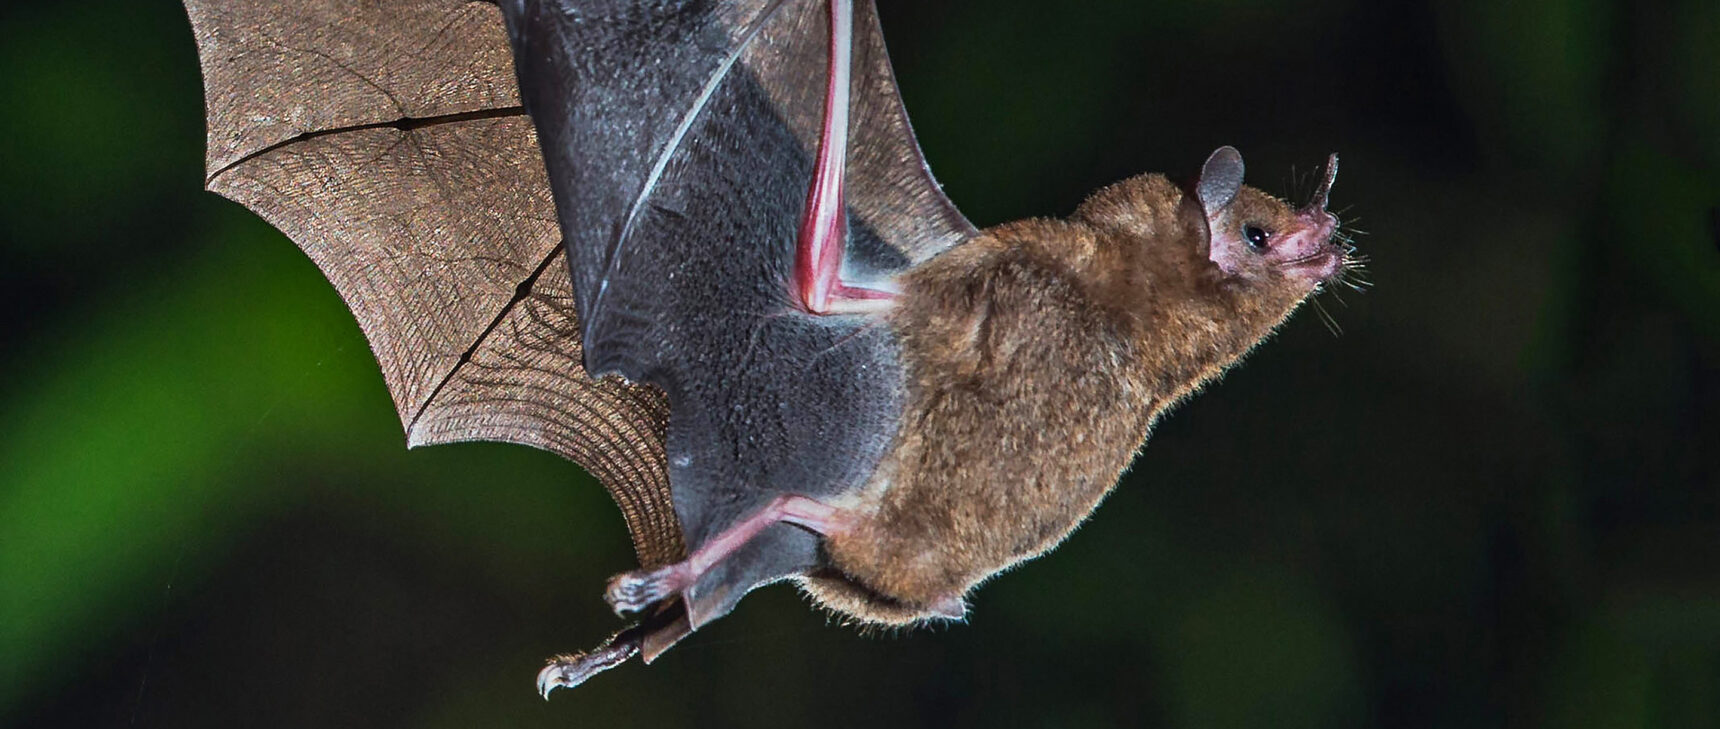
(386, 139)
(890, 189)
(680, 140)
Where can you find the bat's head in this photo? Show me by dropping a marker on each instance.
(1265, 255)
(1215, 262)
(1209, 267)
(1261, 242)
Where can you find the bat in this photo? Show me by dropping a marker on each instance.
(694, 247)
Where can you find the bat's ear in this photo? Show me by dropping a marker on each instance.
(1220, 180)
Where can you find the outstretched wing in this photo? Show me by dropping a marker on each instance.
(680, 139)
(386, 138)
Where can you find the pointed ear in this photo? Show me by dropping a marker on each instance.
(1220, 179)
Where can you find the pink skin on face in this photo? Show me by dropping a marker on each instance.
(1306, 251)
(1298, 244)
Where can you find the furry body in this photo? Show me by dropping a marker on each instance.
(1037, 358)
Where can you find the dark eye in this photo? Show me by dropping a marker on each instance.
(1256, 236)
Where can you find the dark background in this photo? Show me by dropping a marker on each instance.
(1492, 501)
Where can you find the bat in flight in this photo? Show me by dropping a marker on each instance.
(693, 246)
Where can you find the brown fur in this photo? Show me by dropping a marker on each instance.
(1038, 357)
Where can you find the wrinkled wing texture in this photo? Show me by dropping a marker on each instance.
(679, 139)
(385, 137)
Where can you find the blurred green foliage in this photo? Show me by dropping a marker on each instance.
(1494, 501)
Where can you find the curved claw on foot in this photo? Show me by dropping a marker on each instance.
(572, 670)
(630, 592)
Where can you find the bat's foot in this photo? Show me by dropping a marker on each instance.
(647, 638)
(631, 592)
(572, 670)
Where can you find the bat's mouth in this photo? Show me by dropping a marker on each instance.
(1317, 267)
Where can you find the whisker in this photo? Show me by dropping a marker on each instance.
(1326, 318)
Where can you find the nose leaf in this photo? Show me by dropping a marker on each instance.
(1318, 202)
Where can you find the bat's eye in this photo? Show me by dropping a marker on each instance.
(1256, 236)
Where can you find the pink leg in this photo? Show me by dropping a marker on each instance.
(636, 590)
(818, 283)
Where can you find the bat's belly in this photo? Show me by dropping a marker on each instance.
(949, 514)
(1018, 420)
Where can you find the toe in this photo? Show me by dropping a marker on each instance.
(637, 590)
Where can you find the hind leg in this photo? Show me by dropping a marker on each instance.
(639, 589)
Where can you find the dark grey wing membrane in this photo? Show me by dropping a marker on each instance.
(386, 139)
(679, 139)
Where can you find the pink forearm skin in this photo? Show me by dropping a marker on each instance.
(818, 285)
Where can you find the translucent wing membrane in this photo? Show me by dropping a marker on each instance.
(386, 139)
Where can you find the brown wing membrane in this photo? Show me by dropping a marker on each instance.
(386, 139)
(526, 384)
(275, 70)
